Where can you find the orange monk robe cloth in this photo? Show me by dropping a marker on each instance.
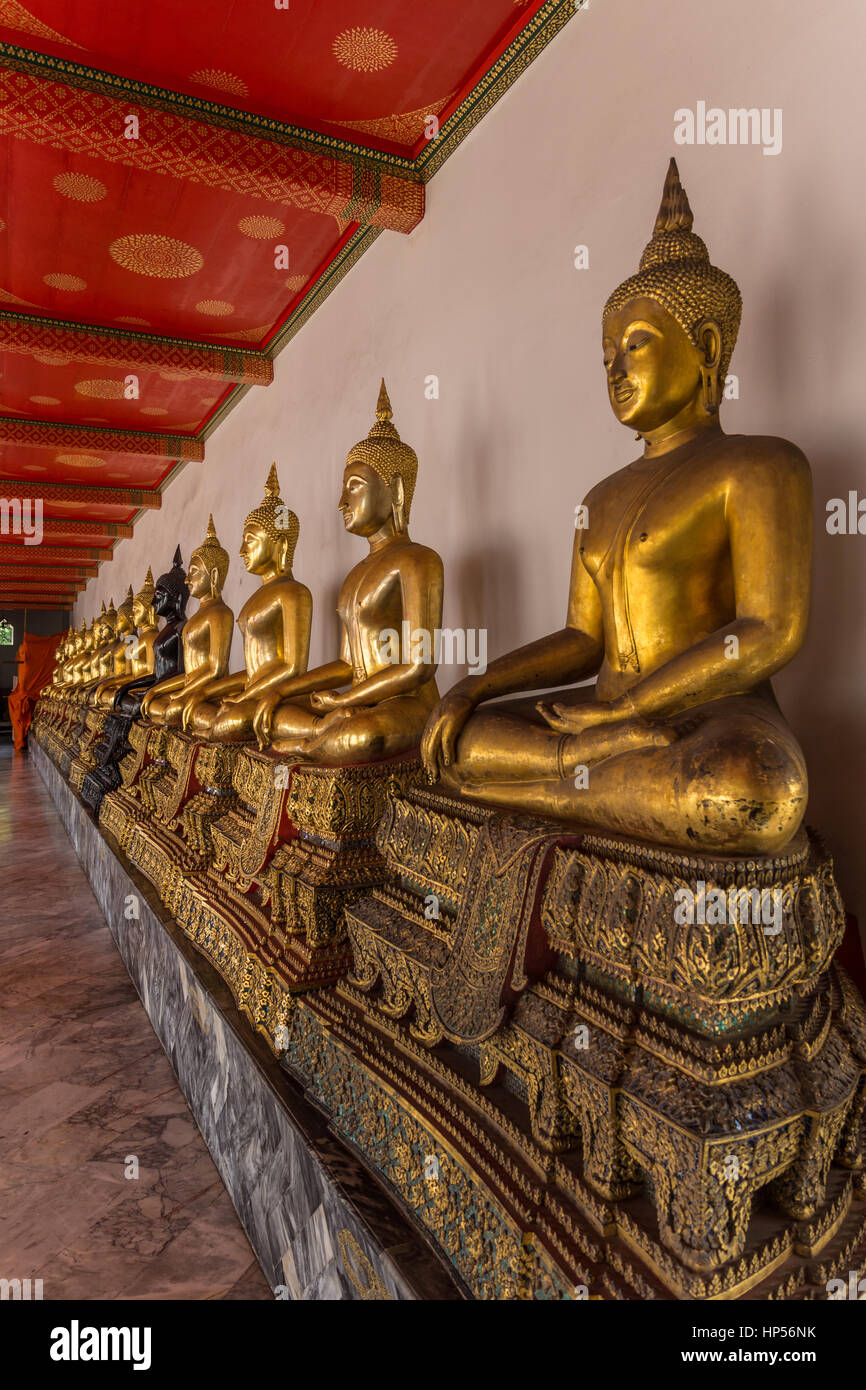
(35, 668)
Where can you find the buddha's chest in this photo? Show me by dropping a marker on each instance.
(370, 596)
(659, 532)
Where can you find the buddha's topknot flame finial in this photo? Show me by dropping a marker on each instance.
(674, 214)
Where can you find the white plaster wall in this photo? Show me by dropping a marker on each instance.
(484, 294)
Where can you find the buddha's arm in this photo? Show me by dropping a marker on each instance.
(219, 636)
(422, 588)
(165, 687)
(572, 654)
(769, 515)
(297, 621)
(220, 687)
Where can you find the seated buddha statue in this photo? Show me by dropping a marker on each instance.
(679, 606)
(206, 637)
(102, 660)
(118, 663)
(383, 710)
(165, 656)
(275, 623)
(80, 671)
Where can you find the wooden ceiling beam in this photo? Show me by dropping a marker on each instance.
(95, 346)
(46, 434)
(132, 497)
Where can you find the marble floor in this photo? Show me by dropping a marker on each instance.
(85, 1087)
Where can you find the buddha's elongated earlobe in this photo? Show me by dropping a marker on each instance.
(398, 505)
(710, 340)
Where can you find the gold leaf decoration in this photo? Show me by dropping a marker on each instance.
(153, 410)
(403, 129)
(220, 81)
(364, 50)
(101, 388)
(214, 308)
(82, 188)
(72, 284)
(44, 400)
(80, 461)
(261, 227)
(162, 257)
(14, 16)
(130, 318)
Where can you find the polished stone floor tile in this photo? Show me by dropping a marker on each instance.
(85, 1087)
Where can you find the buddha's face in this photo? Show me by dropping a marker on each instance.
(125, 623)
(652, 366)
(139, 612)
(257, 548)
(366, 500)
(163, 601)
(198, 578)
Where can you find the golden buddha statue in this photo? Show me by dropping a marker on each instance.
(383, 711)
(140, 657)
(275, 622)
(81, 665)
(677, 605)
(206, 636)
(118, 659)
(102, 660)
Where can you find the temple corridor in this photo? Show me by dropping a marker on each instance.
(84, 1085)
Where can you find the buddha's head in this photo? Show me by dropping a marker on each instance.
(270, 533)
(109, 623)
(379, 478)
(170, 593)
(208, 566)
(669, 331)
(125, 618)
(143, 615)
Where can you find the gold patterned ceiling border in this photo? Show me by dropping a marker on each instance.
(214, 113)
(111, 530)
(79, 493)
(45, 434)
(38, 555)
(70, 572)
(44, 111)
(16, 601)
(532, 39)
(133, 351)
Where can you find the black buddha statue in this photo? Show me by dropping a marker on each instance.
(170, 597)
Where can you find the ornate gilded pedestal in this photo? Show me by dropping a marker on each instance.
(122, 809)
(295, 848)
(631, 1103)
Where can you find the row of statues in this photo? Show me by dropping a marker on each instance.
(678, 611)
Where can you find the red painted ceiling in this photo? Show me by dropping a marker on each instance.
(166, 258)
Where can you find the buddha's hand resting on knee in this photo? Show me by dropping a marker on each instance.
(439, 743)
(263, 719)
(599, 731)
(325, 700)
(188, 714)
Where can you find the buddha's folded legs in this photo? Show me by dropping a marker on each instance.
(231, 723)
(353, 736)
(732, 780)
(160, 709)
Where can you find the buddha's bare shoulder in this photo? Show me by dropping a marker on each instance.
(749, 460)
(405, 549)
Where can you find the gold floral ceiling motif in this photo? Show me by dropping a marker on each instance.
(83, 188)
(44, 400)
(7, 297)
(365, 50)
(296, 282)
(14, 16)
(51, 359)
(2, 225)
(103, 389)
(72, 284)
(214, 308)
(220, 81)
(130, 318)
(261, 227)
(405, 128)
(80, 461)
(153, 410)
(150, 253)
(246, 335)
